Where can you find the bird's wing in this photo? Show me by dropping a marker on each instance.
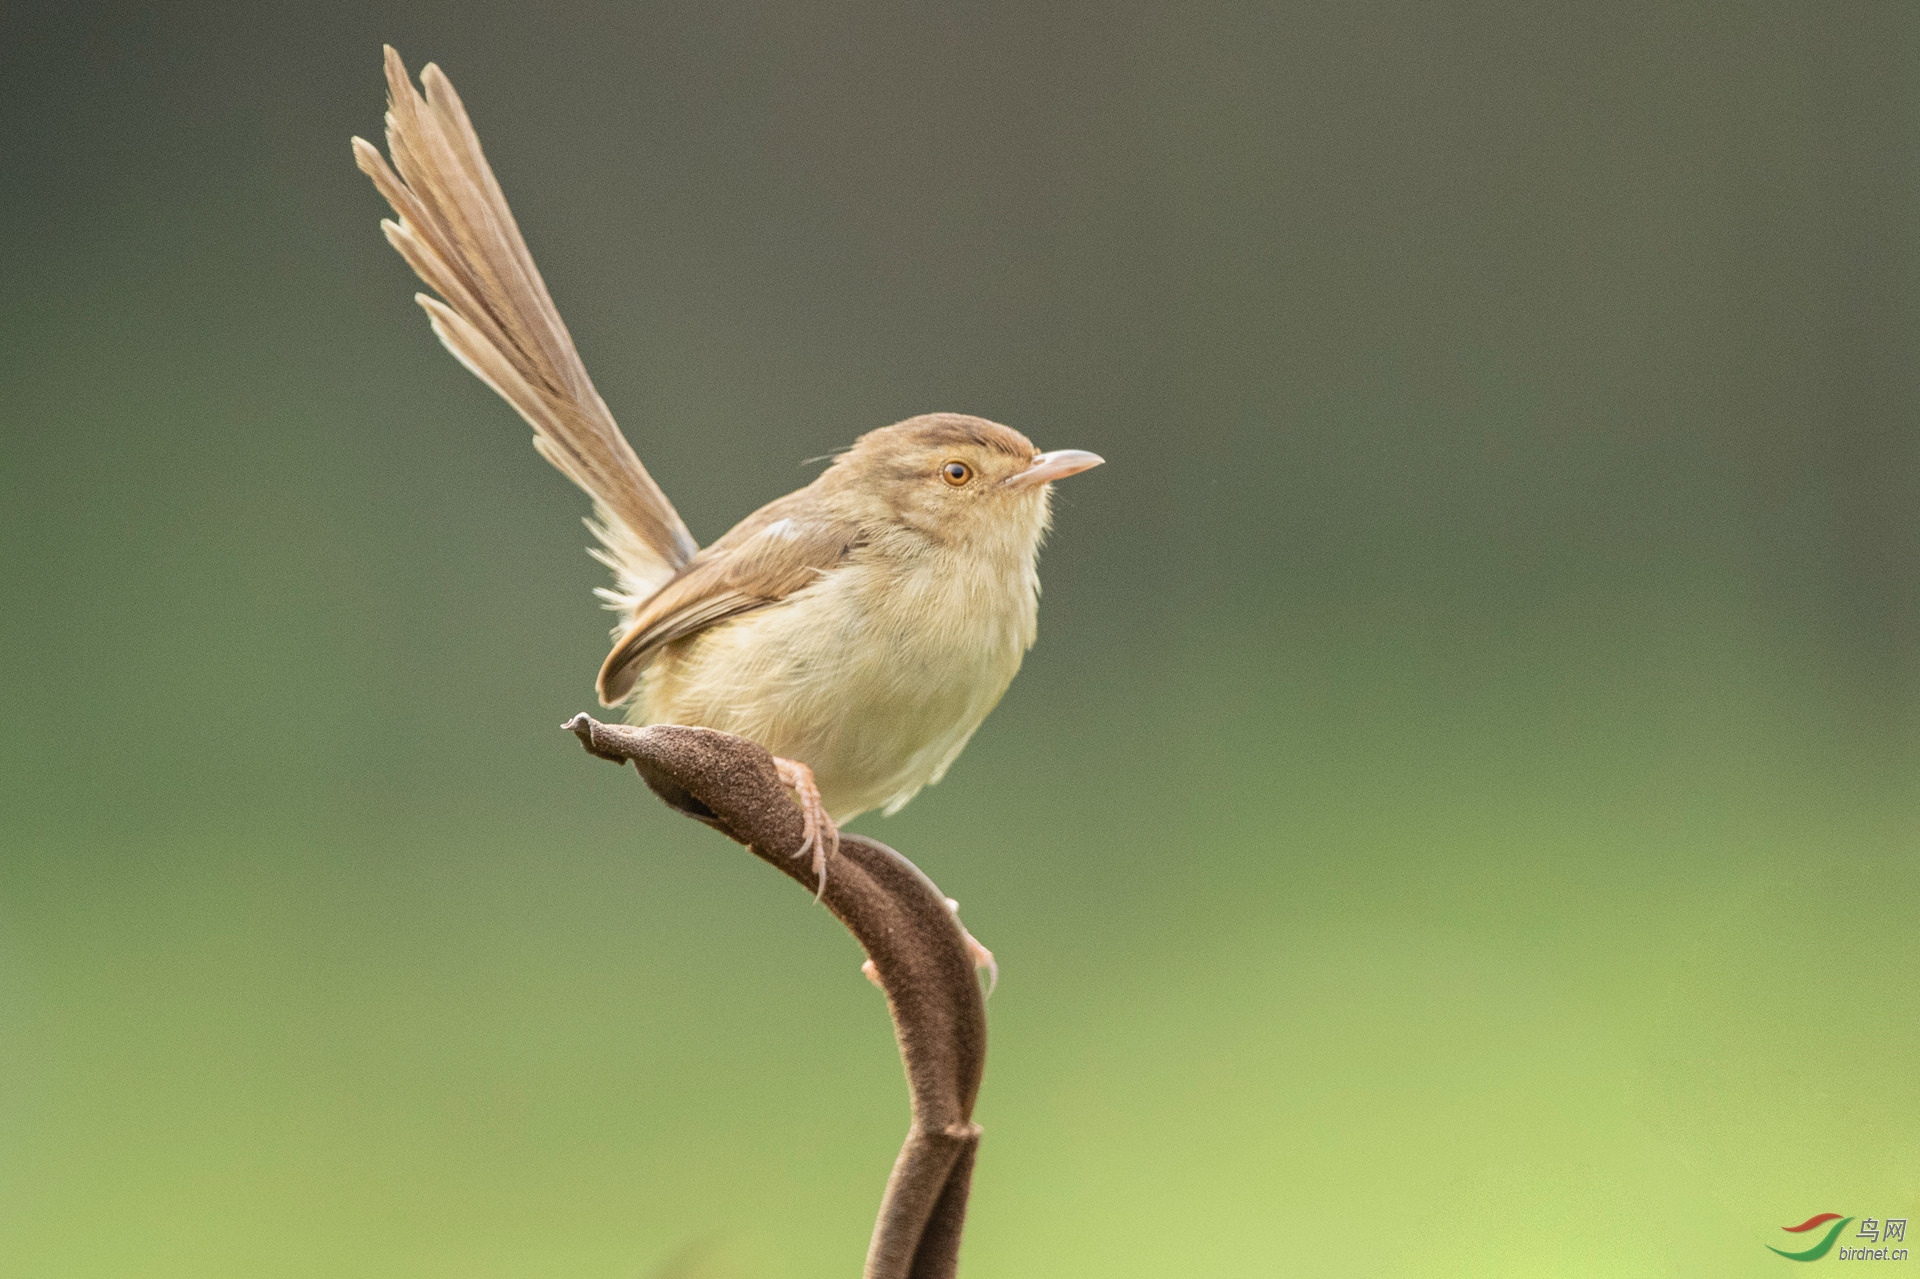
(495, 315)
(779, 549)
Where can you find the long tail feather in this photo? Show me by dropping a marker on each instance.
(494, 313)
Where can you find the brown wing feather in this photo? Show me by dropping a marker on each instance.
(779, 549)
(495, 315)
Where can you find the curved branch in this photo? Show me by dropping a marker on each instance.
(919, 956)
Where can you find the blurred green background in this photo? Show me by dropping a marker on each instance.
(1459, 820)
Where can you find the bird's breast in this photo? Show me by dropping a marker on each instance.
(874, 677)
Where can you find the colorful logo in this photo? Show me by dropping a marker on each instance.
(1814, 1222)
(1876, 1233)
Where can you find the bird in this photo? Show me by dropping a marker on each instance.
(859, 628)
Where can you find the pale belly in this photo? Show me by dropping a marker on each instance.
(852, 681)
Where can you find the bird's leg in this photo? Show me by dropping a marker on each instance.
(822, 837)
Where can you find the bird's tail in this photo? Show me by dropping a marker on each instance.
(495, 315)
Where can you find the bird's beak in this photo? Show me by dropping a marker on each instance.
(1057, 465)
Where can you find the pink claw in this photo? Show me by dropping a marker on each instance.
(820, 836)
(982, 957)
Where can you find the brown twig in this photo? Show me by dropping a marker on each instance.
(919, 954)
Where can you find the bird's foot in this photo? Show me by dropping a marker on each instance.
(821, 836)
(981, 956)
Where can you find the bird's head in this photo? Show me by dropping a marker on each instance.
(958, 478)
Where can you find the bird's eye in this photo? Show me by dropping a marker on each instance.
(956, 473)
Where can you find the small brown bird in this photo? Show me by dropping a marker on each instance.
(859, 629)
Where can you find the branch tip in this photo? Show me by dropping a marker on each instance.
(586, 728)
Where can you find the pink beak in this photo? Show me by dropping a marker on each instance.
(1057, 465)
